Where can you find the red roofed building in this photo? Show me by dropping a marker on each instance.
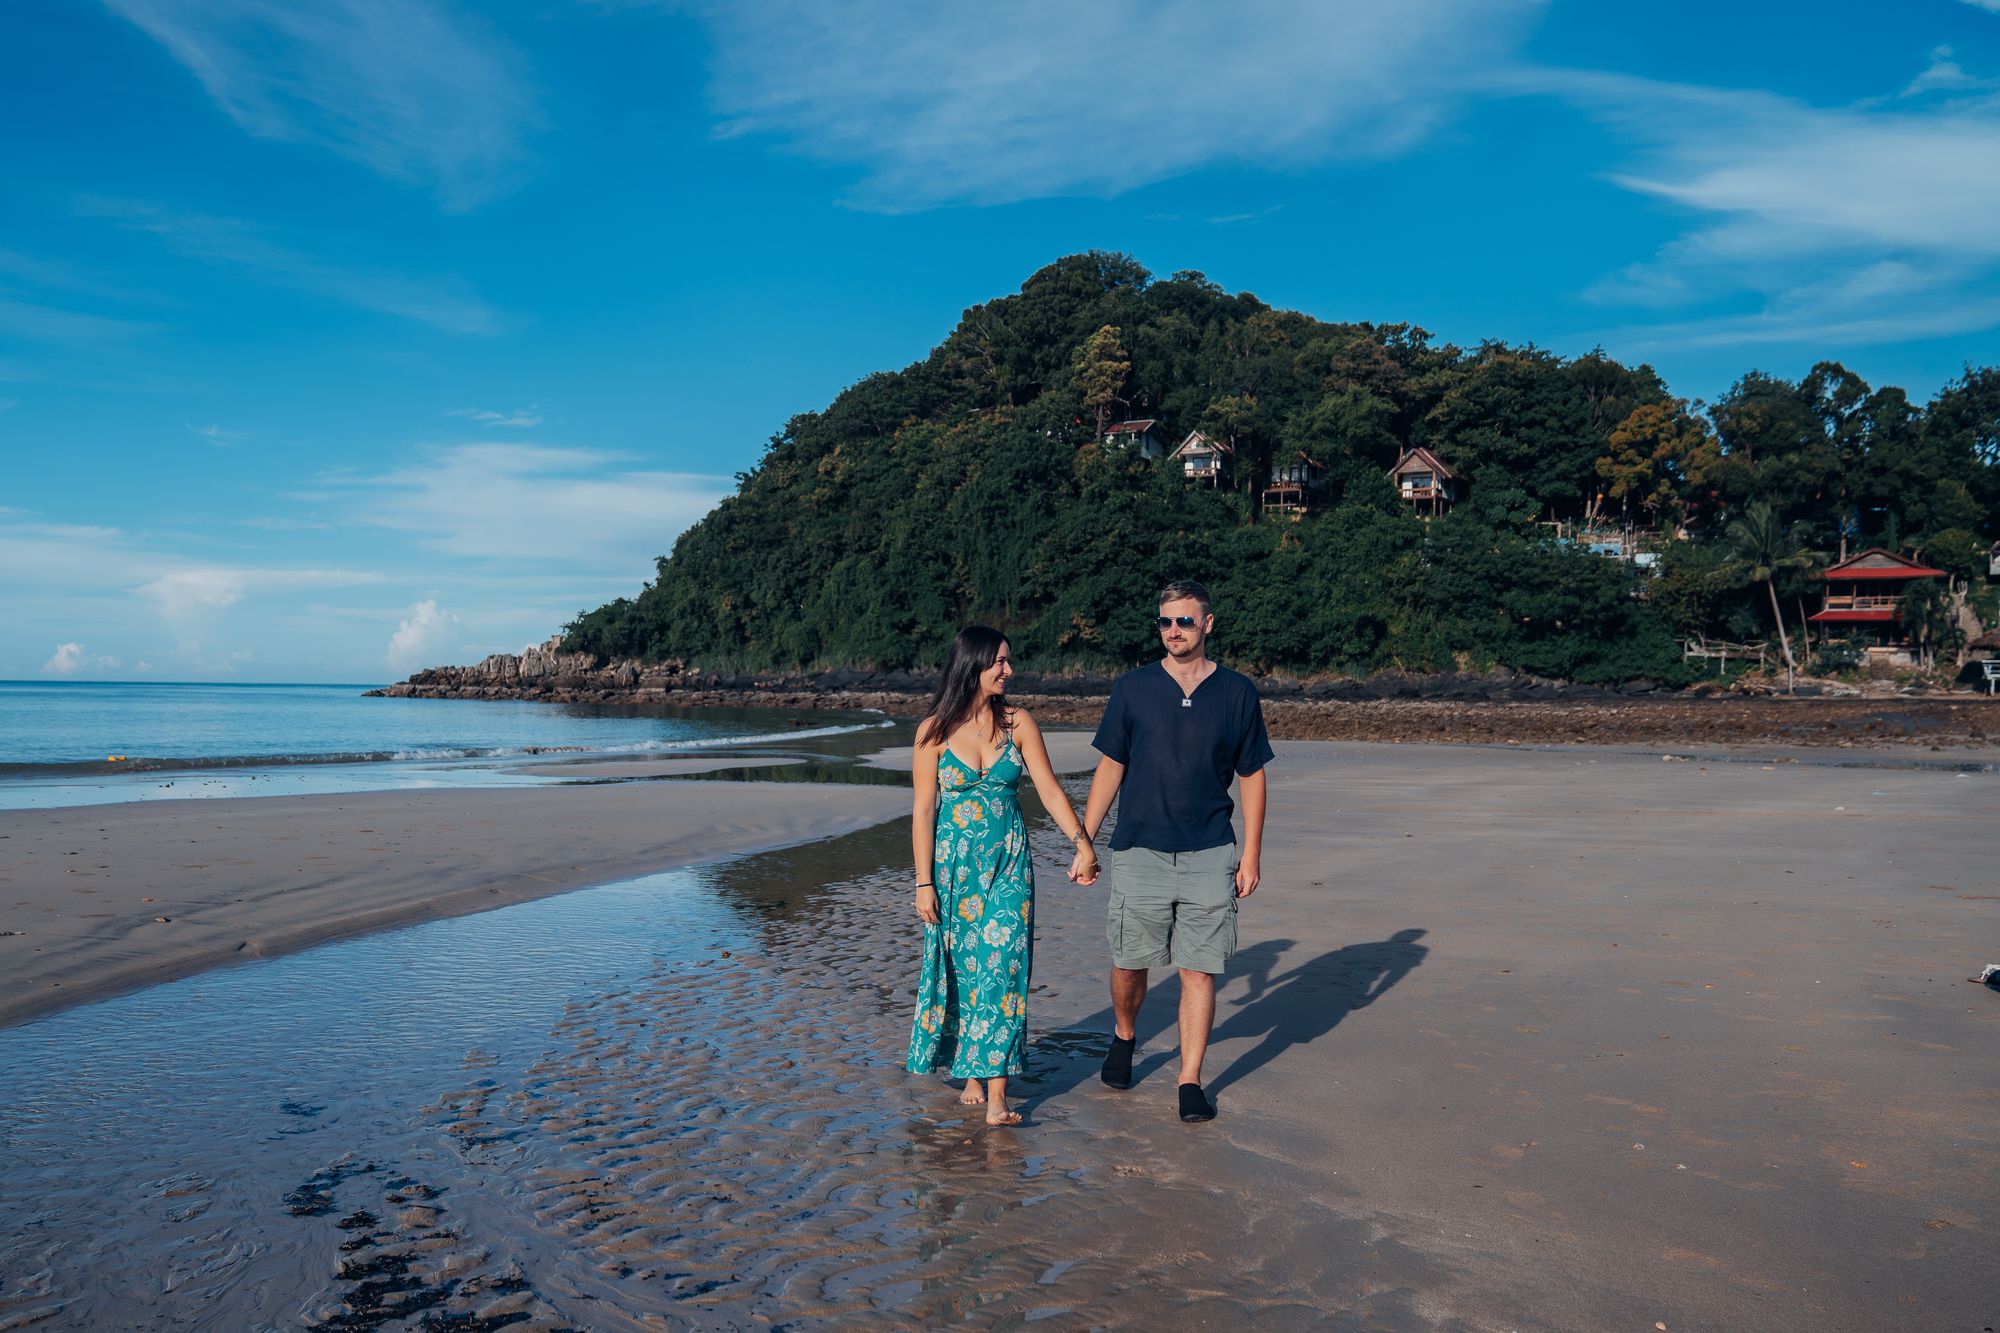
(1861, 596)
(1139, 434)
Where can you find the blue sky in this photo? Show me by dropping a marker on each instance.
(339, 337)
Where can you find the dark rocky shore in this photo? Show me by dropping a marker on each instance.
(1492, 708)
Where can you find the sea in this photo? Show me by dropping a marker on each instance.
(67, 743)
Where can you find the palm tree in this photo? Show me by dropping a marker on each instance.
(1762, 548)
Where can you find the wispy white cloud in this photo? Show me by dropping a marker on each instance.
(447, 303)
(561, 508)
(940, 104)
(195, 594)
(1845, 225)
(413, 90)
(1945, 75)
(8, 405)
(64, 277)
(280, 524)
(36, 322)
(519, 418)
(422, 638)
(73, 659)
(215, 434)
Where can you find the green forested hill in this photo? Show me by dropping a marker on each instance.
(972, 486)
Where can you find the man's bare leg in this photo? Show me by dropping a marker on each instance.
(1128, 992)
(1197, 1018)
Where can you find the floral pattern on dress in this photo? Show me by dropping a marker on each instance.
(972, 996)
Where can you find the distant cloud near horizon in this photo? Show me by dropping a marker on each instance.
(567, 508)
(421, 638)
(945, 105)
(73, 659)
(409, 89)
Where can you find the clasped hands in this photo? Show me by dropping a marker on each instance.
(1083, 869)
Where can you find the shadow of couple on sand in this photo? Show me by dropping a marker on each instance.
(1279, 1010)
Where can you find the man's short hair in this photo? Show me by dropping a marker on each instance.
(1181, 589)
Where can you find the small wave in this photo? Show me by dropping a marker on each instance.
(764, 738)
(415, 754)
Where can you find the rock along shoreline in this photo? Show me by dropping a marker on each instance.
(1494, 708)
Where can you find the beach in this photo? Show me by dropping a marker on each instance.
(1517, 1037)
(98, 899)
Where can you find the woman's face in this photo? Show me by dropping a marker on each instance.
(993, 680)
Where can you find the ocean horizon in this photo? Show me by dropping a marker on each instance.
(89, 742)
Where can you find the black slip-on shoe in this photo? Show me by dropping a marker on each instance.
(1117, 1072)
(1195, 1105)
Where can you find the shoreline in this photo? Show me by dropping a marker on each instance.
(100, 900)
(1580, 719)
(92, 905)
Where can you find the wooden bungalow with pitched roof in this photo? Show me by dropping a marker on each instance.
(1862, 592)
(1137, 434)
(1424, 482)
(1294, 478)
(1202, 459)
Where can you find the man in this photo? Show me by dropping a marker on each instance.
(1173, 735)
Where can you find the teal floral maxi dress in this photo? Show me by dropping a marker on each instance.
(972, 1000)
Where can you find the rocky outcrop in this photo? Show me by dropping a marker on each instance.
(542, 672)
(1492, 708)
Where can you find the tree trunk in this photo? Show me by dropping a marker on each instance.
(1784, 640)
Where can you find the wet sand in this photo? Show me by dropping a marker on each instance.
(1517, 1038)
(99, 899)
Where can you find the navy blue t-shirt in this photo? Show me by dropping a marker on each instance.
(1179, 754)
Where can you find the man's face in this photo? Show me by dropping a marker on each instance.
(1186, 629)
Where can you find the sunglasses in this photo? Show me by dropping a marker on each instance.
(1168, 622)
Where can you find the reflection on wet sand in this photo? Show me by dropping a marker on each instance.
(680, 1107)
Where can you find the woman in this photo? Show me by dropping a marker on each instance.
(975, 882)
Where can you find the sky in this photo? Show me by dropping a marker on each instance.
(344, 337)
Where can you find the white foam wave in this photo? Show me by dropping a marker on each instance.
(640, 747)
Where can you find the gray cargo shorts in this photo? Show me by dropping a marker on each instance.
(1173, 909)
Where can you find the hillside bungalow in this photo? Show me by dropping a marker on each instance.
(1424, 482)
(1137, 434)
(1202, 459)
(1294, 477)
(1861, 596)
(1993, 561)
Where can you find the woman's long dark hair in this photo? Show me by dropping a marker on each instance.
(972, 655)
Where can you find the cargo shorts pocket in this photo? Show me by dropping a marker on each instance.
(1205, 921)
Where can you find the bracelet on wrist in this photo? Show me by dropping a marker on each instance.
(928, 884)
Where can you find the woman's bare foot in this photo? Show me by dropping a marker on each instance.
(974, 1095)
(1005, 1117)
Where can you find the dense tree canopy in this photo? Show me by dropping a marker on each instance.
(976, 485)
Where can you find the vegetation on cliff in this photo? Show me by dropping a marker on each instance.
(976, 485)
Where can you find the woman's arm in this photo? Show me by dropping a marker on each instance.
(1028, 736)
(923, 825)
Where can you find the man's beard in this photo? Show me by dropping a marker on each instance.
(1187, 648)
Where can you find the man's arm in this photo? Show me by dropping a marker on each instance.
(1103, 791)
(1253, 790)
